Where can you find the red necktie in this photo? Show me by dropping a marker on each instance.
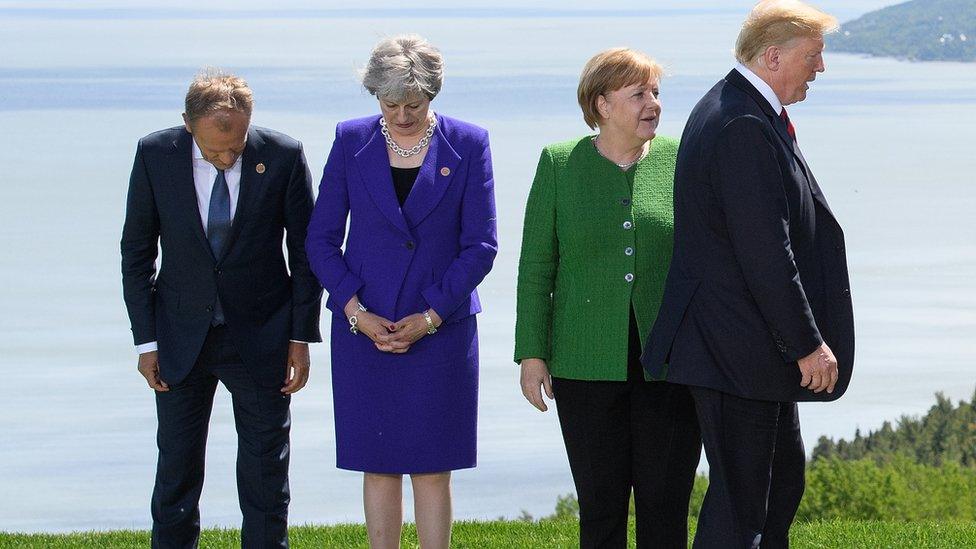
(789, 125)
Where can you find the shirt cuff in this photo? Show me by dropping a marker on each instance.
(147, 347)
(296, 341)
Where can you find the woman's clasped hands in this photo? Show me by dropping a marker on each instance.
(389, 336)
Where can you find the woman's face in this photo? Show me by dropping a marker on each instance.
(632, 111)
(406, 119)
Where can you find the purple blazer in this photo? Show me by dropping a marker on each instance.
(417, 411)
(432, 253)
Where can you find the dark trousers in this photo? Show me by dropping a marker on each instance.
(263, 422)
(623, 435)
(756, 471)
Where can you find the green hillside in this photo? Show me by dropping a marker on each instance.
(920, 30)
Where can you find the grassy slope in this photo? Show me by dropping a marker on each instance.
(546, 534)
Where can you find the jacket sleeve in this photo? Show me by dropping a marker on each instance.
(306, 294)
(751, 190)
(140, 237)
(537, 267)
(327, 232)
(478, 240)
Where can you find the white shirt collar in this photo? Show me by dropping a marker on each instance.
(197, 153)
(762, 86)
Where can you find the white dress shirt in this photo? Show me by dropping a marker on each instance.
(762, 86)
(204, 175)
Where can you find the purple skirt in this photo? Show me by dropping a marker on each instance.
(415, 412)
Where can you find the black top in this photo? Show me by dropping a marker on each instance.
(403, 180)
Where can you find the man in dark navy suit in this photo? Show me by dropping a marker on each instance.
(757, 311)
(217, 196)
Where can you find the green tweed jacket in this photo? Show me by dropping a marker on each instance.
(596, 241)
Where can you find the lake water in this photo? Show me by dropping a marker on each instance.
(891, 144)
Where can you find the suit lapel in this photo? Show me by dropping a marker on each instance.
(814, 186)
(735, 78)
(251, 184)
(374, 170)
(182, 182)
(440, 165)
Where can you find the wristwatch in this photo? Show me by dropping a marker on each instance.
(431, 329)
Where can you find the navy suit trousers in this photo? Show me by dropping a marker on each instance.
(756, 471)
(263, 422)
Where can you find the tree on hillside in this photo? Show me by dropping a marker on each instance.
(946, 434)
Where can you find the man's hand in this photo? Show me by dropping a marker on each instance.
(149, 368)
(819, 370)
(296, 373)
(535, 374)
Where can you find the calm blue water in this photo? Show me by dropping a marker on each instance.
(81, 82)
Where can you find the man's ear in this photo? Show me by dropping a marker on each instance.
(186, 123)
(771, 57)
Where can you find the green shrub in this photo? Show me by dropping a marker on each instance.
(898, 490)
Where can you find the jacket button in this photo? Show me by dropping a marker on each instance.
(209, 308)
(625, 202)
(628, 251)
(846, 292)
(629, 277)
(627, 225)
(409, 244)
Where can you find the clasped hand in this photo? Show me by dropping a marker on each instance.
(394, 337)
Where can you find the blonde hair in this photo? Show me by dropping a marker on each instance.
(611, 70)
(404, 66)
(776, 22)
(213, 90)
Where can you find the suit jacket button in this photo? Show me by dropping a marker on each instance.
(846, 292)
(625, 202)
(409, 244)
(627, 225)
(209, 308)
(629, 277)
(628, 251)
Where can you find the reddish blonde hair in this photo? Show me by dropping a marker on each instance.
(611, 70)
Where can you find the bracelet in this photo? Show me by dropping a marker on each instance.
(354, 320)
(430, 323)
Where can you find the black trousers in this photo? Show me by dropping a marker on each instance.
(262, 419)
(630, 435)
(756, 471)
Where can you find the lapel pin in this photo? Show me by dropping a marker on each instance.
(259, 168)
(445, 171)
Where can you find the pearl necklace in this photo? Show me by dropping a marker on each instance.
(412, 151)
(625, 166)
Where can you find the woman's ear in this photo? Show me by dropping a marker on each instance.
(602, 106)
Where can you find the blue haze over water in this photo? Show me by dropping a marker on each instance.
(891, 143)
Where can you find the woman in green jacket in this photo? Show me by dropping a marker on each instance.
(596, 248)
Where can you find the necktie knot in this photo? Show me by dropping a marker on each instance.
(789, 125)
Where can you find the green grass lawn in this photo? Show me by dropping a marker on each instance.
(542, 535)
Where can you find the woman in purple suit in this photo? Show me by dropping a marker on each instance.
(417, 191)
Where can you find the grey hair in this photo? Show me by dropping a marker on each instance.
(403, 66)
